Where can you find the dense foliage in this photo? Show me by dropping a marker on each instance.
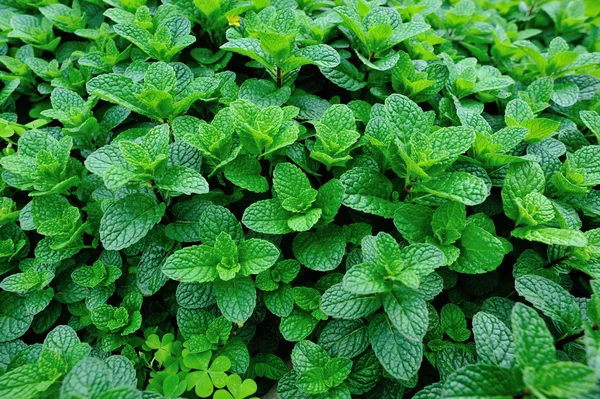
(332, 199)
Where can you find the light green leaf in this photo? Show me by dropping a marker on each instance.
(368, 191)
(534, 345)
(480, 251)
(414, 222)
(245, 172)
(342, 304)
(298, 325)
(256, 255)
(322, 250)
(365, 278)
(448, 222)
(493, 340)
(521, 179)
(192, 264)
(128, 220)
(561, 379)
(457, 186)
(551, 235)
(550, 298)
(482, 381)
(268, 217)
(183, 180)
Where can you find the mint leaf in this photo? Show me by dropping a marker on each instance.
(339, 303)
(454, 323)
(481, 251)
(482, 381)
(551, 235)
(493, 340)
(267, 216)
(183, 180)
(14, 321)
(256, 255)
(345, 338)
(414, 222)
(534, 345)
(550, 298)
(457, 186)
(407, 311)
(368, 191)
(245, 172)
(298, 325)
(236, 298)
(192, 264)
(322, 250)
(398, 355)
(561, 379)
(216, 219)
(128, 220)
(25, 381)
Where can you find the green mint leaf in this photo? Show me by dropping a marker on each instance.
(245, 172)
(268, 217)
(407, 312)
(448, 221)
(561, 379)
(481, 251)
(182, 179)
(480, 381)
(128, 220)
(414, 222)
(215, 220)
(293, 188)
(280, 301)
(454, 323)
(342, 304)
(550, 298)
(322, 250)
(25, 381)
(345, 338)
(551, 236)
(368, 191)
(236, 298)
(521, 179)
(534, 345)
(256, 255)
(14, 320)
(192, 264)
(493, 340)
(307, 355)
(457, 186)
(298, 325)
(399, 356)
(592, 120)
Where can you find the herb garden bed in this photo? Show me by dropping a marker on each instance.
(326, 199)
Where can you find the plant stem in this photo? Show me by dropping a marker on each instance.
(556, 261)
(574, 337)
(279, 78)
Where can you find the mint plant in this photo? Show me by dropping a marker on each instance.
(373, 32)
(227, 259)
(161, 97)
(298, 206)
(269, 39)
(302, 199)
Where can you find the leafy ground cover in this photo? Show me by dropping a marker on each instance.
(337, 198)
